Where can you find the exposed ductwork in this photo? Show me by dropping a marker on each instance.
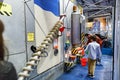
(90, 6)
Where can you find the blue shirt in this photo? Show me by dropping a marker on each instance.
(94, 51)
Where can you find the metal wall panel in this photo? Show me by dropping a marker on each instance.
(29, 23)
(16, 28)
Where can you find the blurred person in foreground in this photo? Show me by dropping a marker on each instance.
(94, 52)
(7, 70)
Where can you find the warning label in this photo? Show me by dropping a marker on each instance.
(5, 9)
(30, 36)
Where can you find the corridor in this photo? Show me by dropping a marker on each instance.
(102, 72)
(45, 38)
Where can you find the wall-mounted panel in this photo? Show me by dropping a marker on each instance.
(17, 25)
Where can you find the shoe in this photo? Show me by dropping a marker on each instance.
(92, 76)
(88, 75)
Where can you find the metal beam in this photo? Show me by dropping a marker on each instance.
(97, 12)
(99, 2)
(100, 15)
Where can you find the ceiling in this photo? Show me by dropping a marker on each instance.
(93, 8)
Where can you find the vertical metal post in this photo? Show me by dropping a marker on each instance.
(113, 36)
(25, 30)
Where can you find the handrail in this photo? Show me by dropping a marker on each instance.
(44, 45)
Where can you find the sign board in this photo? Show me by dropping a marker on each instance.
(30, 36)
(5, 9)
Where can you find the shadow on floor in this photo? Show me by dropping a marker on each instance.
(102, 72)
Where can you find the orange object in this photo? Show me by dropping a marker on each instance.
(83, 52)
(56, 47)
(72, 57)
(83, 61)
(81, 48)
(74, 8)
(55, 44)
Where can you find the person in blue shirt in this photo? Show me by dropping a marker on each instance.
(94, 52)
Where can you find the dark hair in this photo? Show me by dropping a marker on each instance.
(1, 41)
(100, 36)
(86, 34)
(93, 38)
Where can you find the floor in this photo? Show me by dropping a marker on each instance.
(102, 72)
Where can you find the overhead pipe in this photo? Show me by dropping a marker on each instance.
(100, 15)
(44, 45)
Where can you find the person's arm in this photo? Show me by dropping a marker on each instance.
(86, 49)
(99, 53)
